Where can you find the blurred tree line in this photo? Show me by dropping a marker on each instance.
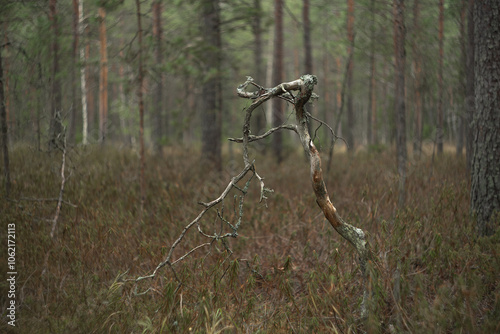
(74, 65)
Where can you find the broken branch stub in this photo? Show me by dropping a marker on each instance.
(305, 86)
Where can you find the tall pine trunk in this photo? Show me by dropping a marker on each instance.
(260, 121)
(372, 102)
(83, 75)
(417, 81)
(56, 98)
(141, 109)
(158, 117)
(469, 86)
(440, 112)
(4, 132)
(103, 76)
(212, 89)
(399, 105)
(277, 104)
(349, 131)
(74, 61)
(485, 186)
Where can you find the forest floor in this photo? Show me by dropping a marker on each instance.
(289, 271)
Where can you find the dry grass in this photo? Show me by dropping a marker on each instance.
(289, 272)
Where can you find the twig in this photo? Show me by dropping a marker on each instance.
(61, 190)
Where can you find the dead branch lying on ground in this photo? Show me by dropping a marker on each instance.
(303, 90)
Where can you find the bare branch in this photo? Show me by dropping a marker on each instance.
(61, 190)
(252, 138)
(304, 86)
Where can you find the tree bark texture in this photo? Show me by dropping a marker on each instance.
(212, 89)
(485, 186)
(399, 105)
(277, 104)
(103, 77)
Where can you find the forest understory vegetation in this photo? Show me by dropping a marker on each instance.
(289, 271)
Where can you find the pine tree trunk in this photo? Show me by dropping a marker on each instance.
(417, 82)
(277, 104)
(103, 77)
(141, 109)
(56, 100)
(469, 88)
(212, 89)
(260, 121)
(158, 90)
(74, 59)
(83, 75)
(399, 107)
(372, 105)
(349, 131)
(463, 56)
(485, 187)
(440, 112)
(4, 132)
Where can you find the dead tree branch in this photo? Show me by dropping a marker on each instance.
(304, 86)
(303, 89)
(61, 190)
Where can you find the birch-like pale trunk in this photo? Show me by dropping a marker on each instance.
(83, 82)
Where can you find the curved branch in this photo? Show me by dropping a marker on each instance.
(252, 138)
(351, 233)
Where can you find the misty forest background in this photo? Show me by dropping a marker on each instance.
(116, 115)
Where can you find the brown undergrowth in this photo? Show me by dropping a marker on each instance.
(289, 271)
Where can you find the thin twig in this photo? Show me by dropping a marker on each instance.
(61, 190)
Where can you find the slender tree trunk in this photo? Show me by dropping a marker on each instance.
(158, 90)
(372, 105)
(212, 89)
(91, 105)
(485, 187)
(260, 121)
(72, 119)
(417, 81)
(440, 116)
(277, 104)
(399, 106)
(349, 132)
(56, 100)
(5, 138)
(10, 118)
(83, 76)
(141, 108)
(103, 77)
(308, 61)
(469, 88)
(463, 54)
